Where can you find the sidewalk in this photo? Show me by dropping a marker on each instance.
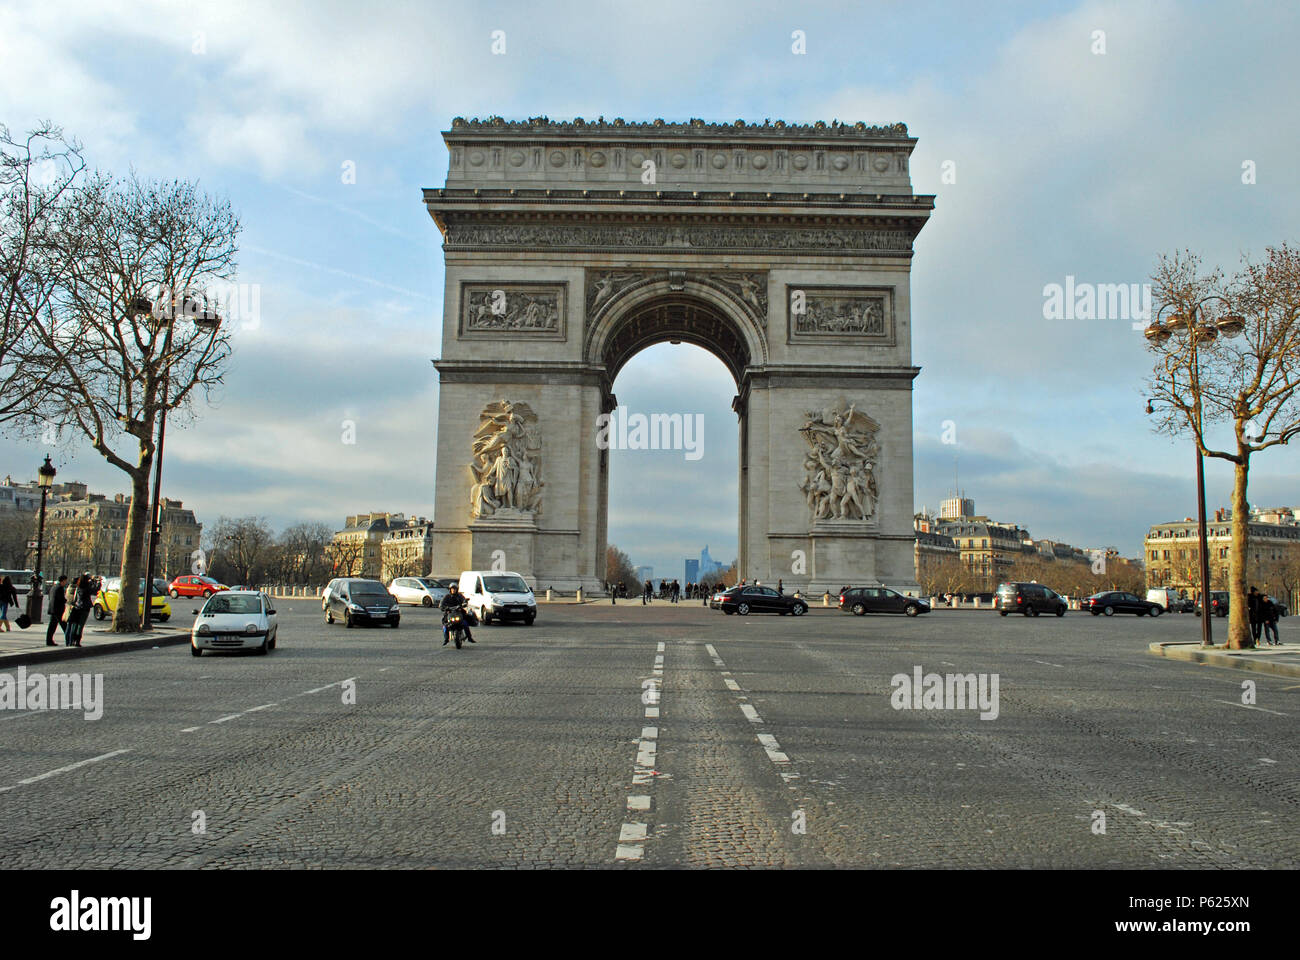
(18, 647)
(1283, 661)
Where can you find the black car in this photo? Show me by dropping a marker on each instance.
(1218, 603)
(1116, 601)
(357, 601)
(751, 599)
(1031, 599)
(863, 600)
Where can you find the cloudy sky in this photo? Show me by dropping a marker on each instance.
(1067, 162)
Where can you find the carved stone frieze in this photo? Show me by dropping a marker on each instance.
(526, 309)
(658, 237)
(506, 463)
(748, 290)
(841, 313)
(840, 467)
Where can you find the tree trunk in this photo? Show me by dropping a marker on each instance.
(1239, 637)
(126, 619)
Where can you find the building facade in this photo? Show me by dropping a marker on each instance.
(1172, 552)
(407, 550)
(357, 549)
(86, 531)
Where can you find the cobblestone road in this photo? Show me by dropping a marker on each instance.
(635, 737)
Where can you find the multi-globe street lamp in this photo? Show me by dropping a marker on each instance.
(204, 319)
(1230, 325)
(35, 600)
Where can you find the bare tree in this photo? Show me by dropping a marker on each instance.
(112, 341)
(36, 174)
(618, 567)
(1247, 377)
(304, 546)
(248, 543)
(345, 556)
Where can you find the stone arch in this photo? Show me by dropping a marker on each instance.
(692, 311)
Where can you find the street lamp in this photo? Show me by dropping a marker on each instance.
(165, 312)
(1230, 325)
(35, 600)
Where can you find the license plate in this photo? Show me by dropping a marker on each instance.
(516, 609)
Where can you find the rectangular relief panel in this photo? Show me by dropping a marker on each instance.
(492, 311)
(861, 315)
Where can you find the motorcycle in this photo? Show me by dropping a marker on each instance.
(456, 626)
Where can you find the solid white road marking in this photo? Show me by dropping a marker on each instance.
(233, 716)
(71, 766)
(1247, 706)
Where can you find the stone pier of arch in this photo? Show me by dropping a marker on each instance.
(785, 250)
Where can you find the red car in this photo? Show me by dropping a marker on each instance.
(195, 587)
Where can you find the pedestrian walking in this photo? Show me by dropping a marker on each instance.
(780, 586)
(1253, 607)
(58, 602)
(647, 593)
(1270, 612)
(8, 598)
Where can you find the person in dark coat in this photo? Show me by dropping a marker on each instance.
(1269, 612)
(8, 598)
(58, 602)
(1253, 607)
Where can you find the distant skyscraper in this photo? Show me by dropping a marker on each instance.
(692, 570)
(709, 566)
(645, 573)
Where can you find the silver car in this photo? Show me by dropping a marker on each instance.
(425, 591)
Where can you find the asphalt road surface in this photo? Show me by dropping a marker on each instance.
(635, 737)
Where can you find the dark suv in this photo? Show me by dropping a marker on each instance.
(1218, 603)
(1031, 599)
(357, 601)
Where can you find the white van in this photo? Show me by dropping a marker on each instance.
(1167, 597)
(493, 595)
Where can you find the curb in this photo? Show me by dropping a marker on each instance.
(1191, 651)
(48, 655)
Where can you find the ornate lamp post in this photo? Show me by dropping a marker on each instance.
(1230, 325)
(205, 320)
(35, 600)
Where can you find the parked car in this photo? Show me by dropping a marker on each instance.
(1116, 601)
(500, 596)
(356, 600)
(105, 602)
(424, 591)
(863, 600)
(235, 620)
(1031, 599)
(194, 586)
(1218, 603)
(755, 599)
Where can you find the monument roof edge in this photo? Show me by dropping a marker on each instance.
(578, 127)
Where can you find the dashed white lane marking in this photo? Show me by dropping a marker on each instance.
(1247, 706)
(189, 729)
(750, 713)
(268, 706)
(71, 766)
(24, 716)
(632, 835)
(732, 685)
(773, 748)
(1046, 664)
(766, 740)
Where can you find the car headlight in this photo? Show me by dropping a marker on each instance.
(204, 628)
(356, 606)
(250, 628)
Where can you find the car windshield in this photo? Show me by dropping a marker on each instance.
(505, 585)
(223, 603)
(431, 583)
(367, 591)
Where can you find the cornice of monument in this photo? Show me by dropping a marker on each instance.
(659, 128)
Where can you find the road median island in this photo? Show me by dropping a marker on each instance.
(1262, 660)
(95, 643)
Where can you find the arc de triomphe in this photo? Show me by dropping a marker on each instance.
(784, 249)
